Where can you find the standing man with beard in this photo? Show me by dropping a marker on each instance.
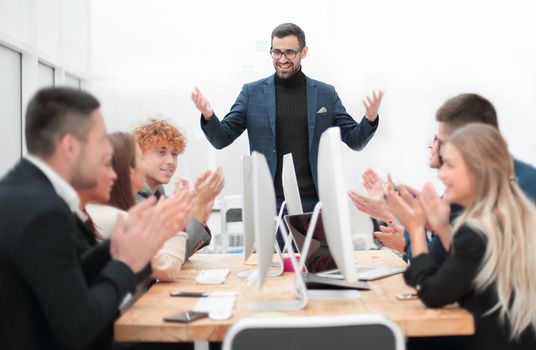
(287, 113)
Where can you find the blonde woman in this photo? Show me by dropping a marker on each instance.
(491, 267)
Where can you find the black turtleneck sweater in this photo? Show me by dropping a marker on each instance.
(291, 132)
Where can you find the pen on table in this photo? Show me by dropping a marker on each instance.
(177, 293)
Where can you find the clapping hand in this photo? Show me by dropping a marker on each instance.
(406, 206)
(208, 186)
(374, 203)
(373, 206)
(437, 211)
(373, 183)
(391, 236)
(182, 205)
(149, 226)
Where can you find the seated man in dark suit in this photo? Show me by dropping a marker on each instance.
(51, 297)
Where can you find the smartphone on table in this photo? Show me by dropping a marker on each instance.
(186, 317)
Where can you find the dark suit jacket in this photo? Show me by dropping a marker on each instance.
(199, 236)
(50, 296)
(526, 178)
(255, 111)
(452, 281)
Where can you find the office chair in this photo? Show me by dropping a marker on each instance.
(231, 218)
(363, 332)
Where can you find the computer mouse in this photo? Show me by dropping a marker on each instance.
(246, 273)
(212, 276)
(206, 279)
(220, 315)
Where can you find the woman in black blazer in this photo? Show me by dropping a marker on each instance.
(491, 267)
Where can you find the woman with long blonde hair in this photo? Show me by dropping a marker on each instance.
(491, 268)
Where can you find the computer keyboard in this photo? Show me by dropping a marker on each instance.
(219, 305)
(365, 273)
(381, 272)
(212, 276)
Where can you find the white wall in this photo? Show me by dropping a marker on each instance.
(51, 39)
(10, 105)
(146, 58)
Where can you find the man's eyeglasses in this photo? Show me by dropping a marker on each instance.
(289, 54)
(439, 142)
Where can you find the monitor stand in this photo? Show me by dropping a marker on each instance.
(278, 265)
(299, 284)
(339, 290)
(308, 237)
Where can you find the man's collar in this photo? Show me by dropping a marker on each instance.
(146, 191)
(62, 187)
(81, 214)
(160, 192)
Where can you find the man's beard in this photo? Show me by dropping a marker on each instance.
(289, 74)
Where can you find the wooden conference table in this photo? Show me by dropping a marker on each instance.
(143, 321)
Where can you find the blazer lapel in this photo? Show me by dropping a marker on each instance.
(269, 96)
(312, 95)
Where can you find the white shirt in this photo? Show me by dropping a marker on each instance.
(61, 186)
(167, 262)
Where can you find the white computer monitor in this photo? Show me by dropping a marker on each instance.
(265, 221)
(290, 186)
(247, 208)
(336, 221)
(335, 211)
(264, 215)
(248, 218)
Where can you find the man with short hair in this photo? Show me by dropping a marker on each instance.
(455, 113)
(287, 113)
(161, 143)
(51, 297)
(472, 108)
